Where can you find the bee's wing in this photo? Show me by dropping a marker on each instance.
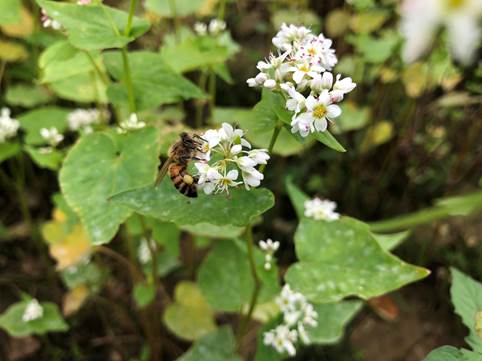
(163, 170)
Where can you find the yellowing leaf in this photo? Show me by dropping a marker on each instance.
(74, 299)
(415, 78)
(369, 21)
(189, 317)
(337, 23)
(21, 29)
(378, 133)
(11, 52)
(75, 247)
(207, 8)
(68, 244)
(388, 75)
(478, 324)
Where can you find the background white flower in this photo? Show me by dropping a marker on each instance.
(298, 313)
(321, 209)
(8, 126)
(269, 248)
(132, 123)
(84, 119)
(33, 311)
(51, 135)
(461, 18)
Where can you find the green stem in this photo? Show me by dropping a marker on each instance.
(172, 7)
(212, 91)
(222, 9)
(102, 75)
(201, 103)
(428, 215)
(272, 142)
(257, 285)
(132, 9)
(125, 60)
(128, 82)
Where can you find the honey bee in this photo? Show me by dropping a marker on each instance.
(180, 154)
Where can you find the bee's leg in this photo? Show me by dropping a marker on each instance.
(163, 171)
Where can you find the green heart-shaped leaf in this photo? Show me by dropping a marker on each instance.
(50, 321)
(342, 258)
(232, 288)
(164, 202)
(466, 296)
(154, 82)
(215, 346)
(101, 165)
(46, 117)
(95, 26)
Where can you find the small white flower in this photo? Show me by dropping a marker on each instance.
(84, 119)
(303, 70)
(33, 311)
(132, 123)
(296, 101)
(290, 36)
(252, 82)
(200, 28)
(421, 18)
(211, 140)
(269, 84)
(269, 247)
(251, 177)
(282, 339)
(84, 2)
(216, 26)
(259, 156)
(321, 209)
(8, 126)
(51, 135)
(318, 112)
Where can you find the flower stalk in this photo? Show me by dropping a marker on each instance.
(257, 286)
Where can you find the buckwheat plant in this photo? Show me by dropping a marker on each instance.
(225, 155)
(301, 71)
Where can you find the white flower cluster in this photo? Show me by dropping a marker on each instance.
(214, 28)
(132, 123)
(321, 209)
(33, 311)
(8, 126)
(297, 314)
(301, 72)
(231, 154)
(84, 119)
(52, 136)
(48, 22)
(269, 248)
